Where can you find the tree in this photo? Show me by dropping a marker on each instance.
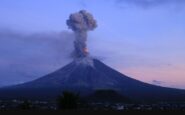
(26, 105)
(68, 100)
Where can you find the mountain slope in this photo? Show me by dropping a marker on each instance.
(87, 75)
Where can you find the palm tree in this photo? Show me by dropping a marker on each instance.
(26, 105)
(68, 100)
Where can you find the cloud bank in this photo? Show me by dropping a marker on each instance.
(27, 56)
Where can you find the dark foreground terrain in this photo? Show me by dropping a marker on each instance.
(47, 105)
(100, 100)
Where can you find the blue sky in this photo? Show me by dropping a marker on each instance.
(143, 39)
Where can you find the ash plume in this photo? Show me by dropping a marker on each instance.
(81, 22)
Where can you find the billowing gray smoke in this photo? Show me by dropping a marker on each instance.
(80, 23)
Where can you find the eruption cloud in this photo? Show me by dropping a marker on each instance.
(81, 22)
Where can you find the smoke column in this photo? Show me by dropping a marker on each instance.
(81, 22)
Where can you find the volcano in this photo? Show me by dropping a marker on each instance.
(86, 75)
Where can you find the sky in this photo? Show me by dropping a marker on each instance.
(143, 39)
